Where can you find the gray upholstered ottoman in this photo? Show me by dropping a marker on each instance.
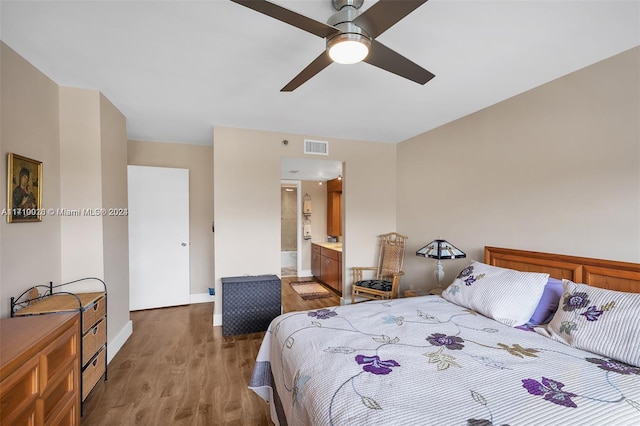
(249, 303)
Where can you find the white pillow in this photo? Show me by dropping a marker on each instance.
(598, 320)
(506, 295)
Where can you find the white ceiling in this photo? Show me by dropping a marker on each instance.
(309, 169)
(177, 68)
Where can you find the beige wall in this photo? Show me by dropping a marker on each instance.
(81, 139)
(93, 161)
(199, 160)
(247, 199)
(555, 169)
(115, 228)
(30, 127)
(81, 183)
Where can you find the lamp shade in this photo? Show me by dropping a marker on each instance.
(441, 249)
(348, 48)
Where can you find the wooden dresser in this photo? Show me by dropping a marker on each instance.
(40, 370)
(93, 323)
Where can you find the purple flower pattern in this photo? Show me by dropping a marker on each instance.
(322, 314)
(450, 342)
(575, 301)
(592, 314)
(580, 300)
(551, 390)
(470, 280)
(614, 366)
(465, 272)
(374, 365)
(466, 277)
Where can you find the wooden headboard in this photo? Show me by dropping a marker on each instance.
(609, 274)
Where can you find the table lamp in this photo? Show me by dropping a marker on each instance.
(440, 249)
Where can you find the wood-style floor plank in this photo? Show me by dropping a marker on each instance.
(177, 369)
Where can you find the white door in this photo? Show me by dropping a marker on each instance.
(158, 237)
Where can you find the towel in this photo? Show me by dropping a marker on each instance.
(306, 229)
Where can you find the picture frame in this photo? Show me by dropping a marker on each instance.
(24, 189)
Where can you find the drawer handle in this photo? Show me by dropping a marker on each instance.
(95, 329)
(95, 307)
(95, 362)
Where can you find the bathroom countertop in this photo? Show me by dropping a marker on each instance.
(332, 246)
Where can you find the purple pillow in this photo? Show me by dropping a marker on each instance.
(548, 302)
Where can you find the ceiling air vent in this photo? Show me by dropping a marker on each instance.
(316, 147)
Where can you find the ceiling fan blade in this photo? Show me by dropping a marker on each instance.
(389, 60)
(318, 64)
(384, 14)
(290, 17)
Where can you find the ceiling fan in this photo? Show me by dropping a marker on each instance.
(350, 36)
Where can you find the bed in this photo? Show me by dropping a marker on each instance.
(428, 361)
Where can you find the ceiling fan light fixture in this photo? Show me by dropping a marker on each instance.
(348, 48)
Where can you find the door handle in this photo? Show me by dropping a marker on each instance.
(183, 244)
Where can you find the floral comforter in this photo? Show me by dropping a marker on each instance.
(425, 361)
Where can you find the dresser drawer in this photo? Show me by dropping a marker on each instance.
(58, 357)
(59, 395)
(92, 373)
(66, 416)
(331, 254)
(25, 418)
(93, 313)
(93, 340)
(18, 394)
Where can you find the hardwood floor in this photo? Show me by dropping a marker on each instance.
(177, 369)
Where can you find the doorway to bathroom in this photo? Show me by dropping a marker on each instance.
(290, 212)
(307, 179)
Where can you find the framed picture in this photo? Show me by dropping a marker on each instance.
(24, 189)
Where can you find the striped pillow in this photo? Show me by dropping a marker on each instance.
(506, 295)
(597, 320)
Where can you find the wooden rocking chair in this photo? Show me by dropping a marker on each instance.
(386, 280)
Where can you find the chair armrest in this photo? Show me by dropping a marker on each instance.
(358, 270)
(396, 284)
(396, 277)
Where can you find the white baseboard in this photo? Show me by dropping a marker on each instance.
(201, 298)
(217, 320)
(117, 342)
